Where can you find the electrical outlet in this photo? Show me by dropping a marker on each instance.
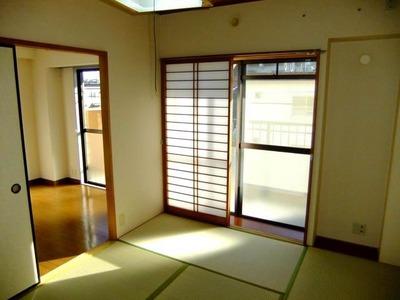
(359, 229)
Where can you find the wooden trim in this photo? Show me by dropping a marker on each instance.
(300, 54)
(39, 45)
(311, 173)
(108, 162)
(164, 132)
(364, 38)
(105, 103)
(195, 215)
(352, 249)
(43, 181)
(392, 158)
(196, 59)
(311, 53)
(322, 142)
(285, 149)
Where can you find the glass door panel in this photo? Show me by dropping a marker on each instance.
(279, 112)
(275, 186)
(94, 158)
(91, 126)
(276, 134)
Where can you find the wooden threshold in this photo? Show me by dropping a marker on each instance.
(269, 230)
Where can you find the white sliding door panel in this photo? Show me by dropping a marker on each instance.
(196, 102)
(18, 265)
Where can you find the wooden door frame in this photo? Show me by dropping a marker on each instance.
(105, 103)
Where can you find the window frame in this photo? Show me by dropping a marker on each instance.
(284, 56)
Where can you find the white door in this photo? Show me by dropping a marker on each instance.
(18, 264)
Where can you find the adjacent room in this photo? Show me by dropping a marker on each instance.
(184, 147)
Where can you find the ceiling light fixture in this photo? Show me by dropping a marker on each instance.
(160, 5)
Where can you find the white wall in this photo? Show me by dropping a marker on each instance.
(28, 116)
(135, 109)
(48, 91)
(69, 106)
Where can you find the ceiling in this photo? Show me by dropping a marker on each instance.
(209, 4)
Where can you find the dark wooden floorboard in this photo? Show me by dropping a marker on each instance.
(68, 221)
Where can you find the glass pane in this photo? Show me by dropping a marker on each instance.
(275, 186)
(91, 99)
(94, 158)
(234, 135)
(297, 68)
(279, 112)
(261, 69)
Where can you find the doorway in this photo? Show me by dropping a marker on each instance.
(102, 62)
(69, 218)
(273, 128)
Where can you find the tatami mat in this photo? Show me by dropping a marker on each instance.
(208, 262)
(198, 284)
(118, 271)
(261, 261)
(328, 275)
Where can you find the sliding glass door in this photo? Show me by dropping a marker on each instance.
(91, 126)
(276, 140)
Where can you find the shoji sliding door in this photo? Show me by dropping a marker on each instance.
(196, 138)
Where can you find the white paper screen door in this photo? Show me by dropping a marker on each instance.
(196, 138)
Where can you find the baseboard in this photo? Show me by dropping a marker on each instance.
(347, 248)
(42, 181)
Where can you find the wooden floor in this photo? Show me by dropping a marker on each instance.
(68, 221)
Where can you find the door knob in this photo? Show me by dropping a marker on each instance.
(16, 188)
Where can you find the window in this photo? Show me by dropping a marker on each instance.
(223, 116)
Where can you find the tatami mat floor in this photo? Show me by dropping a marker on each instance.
(175, 258)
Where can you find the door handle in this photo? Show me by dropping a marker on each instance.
(16, 188)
